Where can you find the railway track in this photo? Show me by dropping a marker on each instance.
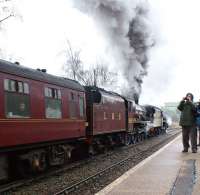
(5, 189)
(75, 186)
(22, 182)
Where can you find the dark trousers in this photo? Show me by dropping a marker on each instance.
(199, 135)
(189, 132)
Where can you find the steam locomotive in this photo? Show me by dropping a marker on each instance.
(44, 119)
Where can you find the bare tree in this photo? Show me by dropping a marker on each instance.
(6, 10)
(73, 65)
(105, 77)
(98, 75)
(5, 18)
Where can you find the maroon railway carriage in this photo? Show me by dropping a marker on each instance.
(106, 113)
(36, 110)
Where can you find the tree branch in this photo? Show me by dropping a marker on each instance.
(6, 18)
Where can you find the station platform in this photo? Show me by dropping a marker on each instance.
(166, 172)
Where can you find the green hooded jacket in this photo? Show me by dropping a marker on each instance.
(188, 111)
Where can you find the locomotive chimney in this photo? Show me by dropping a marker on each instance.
(17, 63)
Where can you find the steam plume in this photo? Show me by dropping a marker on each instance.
(126, 27)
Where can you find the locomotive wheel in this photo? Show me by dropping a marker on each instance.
(127, 140)
(133, 139)
(140, 137)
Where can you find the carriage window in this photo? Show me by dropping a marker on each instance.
(52, 93)
(6, 85)
(20, 87)
(16, 86)
(53, 108)
(10, 85)
(59, 94)
(17, 103)
(47, 92)
(81, 106)
(26, 88)
(53, 103)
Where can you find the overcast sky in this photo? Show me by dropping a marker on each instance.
(38, 40)
(177, 52)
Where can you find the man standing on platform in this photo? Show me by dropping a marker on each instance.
(188, 122)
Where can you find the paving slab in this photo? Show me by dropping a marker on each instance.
(166, 172)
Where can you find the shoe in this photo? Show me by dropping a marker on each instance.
(194, 151)
(185, 150)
